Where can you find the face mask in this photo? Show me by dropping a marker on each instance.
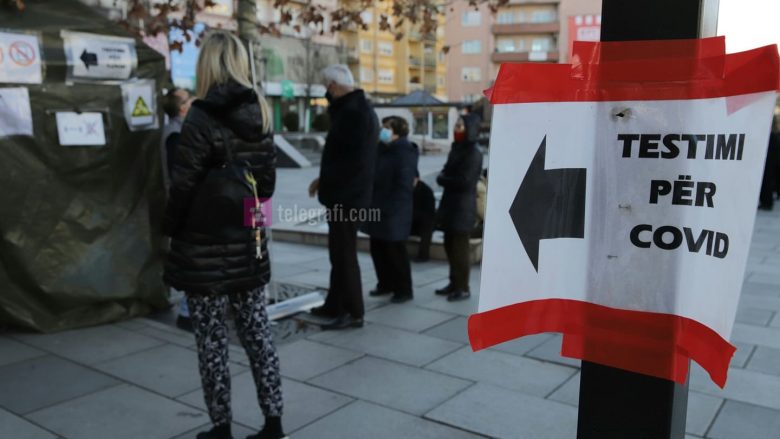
(459, 136)
(385, 135)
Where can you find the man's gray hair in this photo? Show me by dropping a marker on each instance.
(338, 73)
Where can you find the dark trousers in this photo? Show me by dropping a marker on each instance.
(457, 247)
(391, 262)
(345, 295)
(423, 227)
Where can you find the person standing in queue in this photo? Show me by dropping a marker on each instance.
(226, 145)
(457, 214)
(393, 198)
(344, 187)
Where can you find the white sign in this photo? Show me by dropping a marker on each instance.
(20, 58)
(80, 129)
(140, 105)
(15, 112)
(620, 213)
(93, 56)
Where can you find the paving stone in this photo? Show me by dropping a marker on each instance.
(393, 385)
(743, 385)
(569, 392)
(132, 324)
(751, 289)
(745, 421)
(766, 360)
(11, 351)
(12, 426)
(303, 404)
(393, 344)
(428, 277)
(440, 303)
(502, 413)
(761, 302)
(40, 382)
(122, 412)
(775, 323)
(754, 316)
(550, 351)
(279, 270)
(179, 338)
(407, 317)
(361, 419)
(505, 370)
(701, 411)
(742, 354)
(765, 278)
(91, 345)
(238, 430)
(762, 336)
(304, 359)
(169, 370)
(524, 345)
(320, 279)
(453, 330)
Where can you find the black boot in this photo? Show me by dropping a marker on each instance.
(445, 291)
(218, 432)
(271, 430)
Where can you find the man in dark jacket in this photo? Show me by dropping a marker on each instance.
(345, 186)
(457, 212)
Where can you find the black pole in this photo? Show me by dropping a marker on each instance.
(614, 403)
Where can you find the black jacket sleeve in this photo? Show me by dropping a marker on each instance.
(461, 173)
(190, 165)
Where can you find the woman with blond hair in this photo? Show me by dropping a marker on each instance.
(214, 257)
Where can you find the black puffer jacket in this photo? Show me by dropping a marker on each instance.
(458, 208)
(212, 252)
(347, 167)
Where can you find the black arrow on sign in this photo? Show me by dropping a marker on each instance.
(89, 59)
(549, 204)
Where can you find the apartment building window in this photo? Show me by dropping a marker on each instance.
(541, 45)
(506, 17)
(385, 48)
(544, 16)
(471, 74)
(506, 46)
(440, 81)
(386, 76)
(366, 46)
(471, 18)
(366, 75)
(472, 46)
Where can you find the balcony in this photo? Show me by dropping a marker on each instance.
(502, 57)
(414, 61)
(526, 28)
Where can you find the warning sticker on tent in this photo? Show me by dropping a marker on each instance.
(92, 56)
(20, 58)
(15, 113)
(140, 105)
(80, 129)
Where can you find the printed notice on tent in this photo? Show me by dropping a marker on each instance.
(20, 58)
(15, 113)
(80, 129)
(140, 105)
(626, 203)
(96, 57)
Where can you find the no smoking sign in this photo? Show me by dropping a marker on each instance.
(22, 53)
(20, 58)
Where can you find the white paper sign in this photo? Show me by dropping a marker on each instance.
(20, 58)
(15, 113)
(80, 129)
(140, 105)
(93, 56)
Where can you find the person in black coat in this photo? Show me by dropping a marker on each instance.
(214, 257)
(423, 218)
(457, 212)
(769, 183)
(344, 188)
(392, 198)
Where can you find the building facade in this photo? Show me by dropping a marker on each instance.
(470, 44)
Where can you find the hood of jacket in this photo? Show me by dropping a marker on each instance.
(237, 107)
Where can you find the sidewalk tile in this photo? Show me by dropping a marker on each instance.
(407, 317)
(170, 335)
(393, 344)
(743, 385)
(453, 330)
(754, 316)
(766, 360)
(505, 370)
(91, 345)
(303, 404)
(523, 345)
(761, 302)
(439, 303)
(701, 411)
(502, 413)
(132, 324)
(765, 278)
(11, 351)
(551, 351)
(361, 419)
(390, 384)
(169, 370)
(12, 426)
(569, 393)
(745, 421)
(122, 412)
(304, 359)
(40, 382)
(239, 431)
(742, 354)
(762, 336)
(775, 323)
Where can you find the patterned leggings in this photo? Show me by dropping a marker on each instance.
(211, 333)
